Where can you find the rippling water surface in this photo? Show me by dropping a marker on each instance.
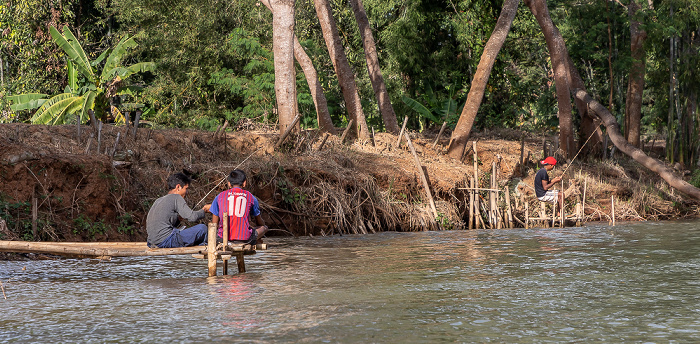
(631, 283)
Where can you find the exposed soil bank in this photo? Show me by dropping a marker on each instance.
(343, 188)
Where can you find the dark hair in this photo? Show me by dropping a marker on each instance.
(237, 177)
(178, 179)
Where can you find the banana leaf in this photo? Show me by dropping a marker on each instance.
(26, 101)
(75, 52)
(418, 107)
(116, 56)
(53, 108)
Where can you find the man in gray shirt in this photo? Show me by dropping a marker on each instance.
(164, 217)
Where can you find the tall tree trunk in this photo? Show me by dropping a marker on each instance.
(610, 55)
(589, 130)
(323, 116)
(637, 154)
(464, 126)
(556, 47)
(283, 50)
(375, 73)
(346, 77)
(633, 108)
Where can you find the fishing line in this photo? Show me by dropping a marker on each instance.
(224, 178)
(579, 151)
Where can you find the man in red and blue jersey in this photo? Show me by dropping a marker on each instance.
(239, 205)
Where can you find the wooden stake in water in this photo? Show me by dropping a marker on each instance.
(471, 204)
(224, 235)
(612, 202)
(508, 209)
(527, 215)
(211, 249)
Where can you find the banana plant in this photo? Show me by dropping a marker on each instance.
(433, 110)
(91, 92)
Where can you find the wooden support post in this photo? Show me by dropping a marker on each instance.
(508, 209)
(211, 248)
(78, 126)
(476, 185)
(527, 214)
(240, 262)
(403, 127)
(471, 204)
(561, 209)
(612, 203)
(493, 204)
(99, 136)
(543, 214)
(323, 142)
(583, 202)
(136, 123)
(442, 129)
(374, 142)
(347, 130)
(222, 133)
(423, 178)
(554, 213)
(224, 235)
(287, 131)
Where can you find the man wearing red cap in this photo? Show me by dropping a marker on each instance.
(543, 184)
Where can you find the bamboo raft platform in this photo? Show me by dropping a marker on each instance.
(106, 250)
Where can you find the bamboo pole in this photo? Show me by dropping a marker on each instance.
(403, 127)
(612, 202)
(527, 215)
(481, 189)
(471, 204)
(374, 142)
(554, 213)
(510, 212)
(442, 129)
(345, 132)
(583, 202)
(116, 142)
(211, 248)
(224, 235)
(423, 178)
(492, 199)
(561, 210)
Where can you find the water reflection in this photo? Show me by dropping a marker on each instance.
(631, 283)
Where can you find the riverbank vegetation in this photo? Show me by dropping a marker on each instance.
(216, 82)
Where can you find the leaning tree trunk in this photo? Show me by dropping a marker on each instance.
(633, 110)
(634, 152)
(556, 46)
(589, 131)
(464, 126)
(346, 77)
(325, 124)
(283, 49)
(375, 73)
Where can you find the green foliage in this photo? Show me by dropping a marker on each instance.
(17, 216)
(82, 225)
(126, 224)
(81, 99)
(695, 178)
(291, 194)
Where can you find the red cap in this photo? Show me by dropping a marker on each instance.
(549, 161)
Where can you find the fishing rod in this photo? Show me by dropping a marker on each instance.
(579, 151)
(224, 178)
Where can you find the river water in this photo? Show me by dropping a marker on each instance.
(630, 283)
